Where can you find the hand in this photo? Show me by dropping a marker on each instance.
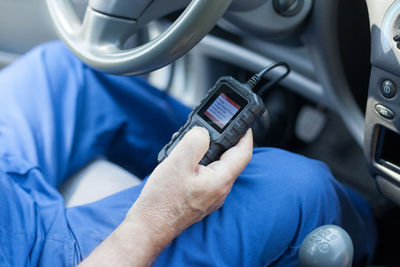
(181, 192)
(177, 194)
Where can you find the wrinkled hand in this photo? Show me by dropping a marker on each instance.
(181, 192)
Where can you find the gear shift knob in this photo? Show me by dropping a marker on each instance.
(326, 246)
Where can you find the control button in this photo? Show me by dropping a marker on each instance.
(388, 88)
(384, 111)
(231, 138)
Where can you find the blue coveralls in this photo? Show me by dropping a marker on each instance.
(57, 114)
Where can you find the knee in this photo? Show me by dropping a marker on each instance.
(303, 186)
(54, 68)
(293, 173)
(301, 194)
(57, 59)
(283, 197)
(49, 63)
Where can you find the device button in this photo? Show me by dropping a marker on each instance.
(384, 111)
(214, 149)
(388, 88)
(247, 117)
(206, 160)
(230, 138)
(239, 125)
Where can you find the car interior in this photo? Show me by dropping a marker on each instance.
(339, 104)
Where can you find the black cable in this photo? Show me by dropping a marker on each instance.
(253, 81)
(274, 82)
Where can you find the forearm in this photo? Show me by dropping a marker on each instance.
(130, 244)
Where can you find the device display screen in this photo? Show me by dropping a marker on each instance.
(222, 108)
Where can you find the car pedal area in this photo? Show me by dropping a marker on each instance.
(309, 124)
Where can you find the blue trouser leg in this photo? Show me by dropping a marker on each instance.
(56, 114)
(274, 204)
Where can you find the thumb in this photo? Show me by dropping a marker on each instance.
(191, 149)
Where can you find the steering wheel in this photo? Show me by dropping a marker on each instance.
(100, 38)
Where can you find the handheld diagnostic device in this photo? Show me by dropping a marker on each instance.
(228, 110)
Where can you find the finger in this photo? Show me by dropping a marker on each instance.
(235, 159)
(191, 149)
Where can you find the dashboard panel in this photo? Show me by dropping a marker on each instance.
(270, 21)
(382, 130)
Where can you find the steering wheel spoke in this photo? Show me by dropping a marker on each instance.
(105, 33)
